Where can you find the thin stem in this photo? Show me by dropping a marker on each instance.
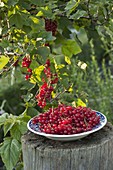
(56, 97)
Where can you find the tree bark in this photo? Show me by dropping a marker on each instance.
(94, 152)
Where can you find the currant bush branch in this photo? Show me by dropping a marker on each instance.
(60, 93)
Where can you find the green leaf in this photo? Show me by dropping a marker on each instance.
(4, 43)
(3, 118)
(82, 36)
(27, 29)
(32, 112)
(71, 47)
(18, 130)
(3, 61)
(24, 117)
(66, 51)
(12, 2)
(19, 166)
(10, 152)
(65, 81)
(27, 86)
(28, 96)
(63, 23)
(22, 127)
(17, 20)
(48, 36)
(39, 2)
(8, 125)
(78, 14)
(34, 63)
(71, 6)
(36, 25)
(43, 51)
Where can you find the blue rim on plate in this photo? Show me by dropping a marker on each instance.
(35, 129)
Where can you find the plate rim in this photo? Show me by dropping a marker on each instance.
(68, 136)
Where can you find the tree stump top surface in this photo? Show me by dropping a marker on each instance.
(94, 139)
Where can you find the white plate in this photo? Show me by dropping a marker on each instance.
(35, 129)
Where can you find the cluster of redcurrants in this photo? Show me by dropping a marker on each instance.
(46, 89)
(66, 120)
(26, 63)
(44, 94)
(51, 26)
(53, 78)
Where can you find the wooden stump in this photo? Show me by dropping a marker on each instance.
(94, 152)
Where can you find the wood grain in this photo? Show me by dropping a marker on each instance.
(94, 152)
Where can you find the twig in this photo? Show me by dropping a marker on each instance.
(12, 54)
(56, 97)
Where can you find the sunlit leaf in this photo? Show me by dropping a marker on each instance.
(67, 60)
(3, 61)
(79, 102)
(40, 13)
(36, 74)
(70, 47)
(60, 66)
(35, 20)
